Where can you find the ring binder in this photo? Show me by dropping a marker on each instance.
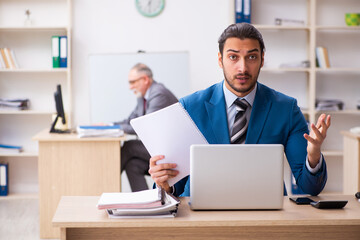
(4, 179)
(63, 51)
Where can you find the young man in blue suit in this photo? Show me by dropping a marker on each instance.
(273, 118)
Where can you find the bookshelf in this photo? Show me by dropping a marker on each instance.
(35, 79)
(21, 196)
(324, 26)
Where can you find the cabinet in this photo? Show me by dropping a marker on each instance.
(324, 25)
(35, 79)
(351, 162)
(72, 166)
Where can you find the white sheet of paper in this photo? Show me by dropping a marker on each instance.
(169, 132)
(140, 197)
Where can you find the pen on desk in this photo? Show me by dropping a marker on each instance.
(161, 193)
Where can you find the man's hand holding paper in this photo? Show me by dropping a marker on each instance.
(170, 132)
(162, 172)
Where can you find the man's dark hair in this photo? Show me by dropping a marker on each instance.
(242, 31)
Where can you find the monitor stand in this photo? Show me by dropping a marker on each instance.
(53, 130)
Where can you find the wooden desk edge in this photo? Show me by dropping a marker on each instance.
(46, 136)
(184, 221)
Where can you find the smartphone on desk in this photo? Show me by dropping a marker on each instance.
(302, 200)
(324, 204)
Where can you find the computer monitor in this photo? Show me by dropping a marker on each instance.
(59, 110)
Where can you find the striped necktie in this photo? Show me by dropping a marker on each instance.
(239, 130)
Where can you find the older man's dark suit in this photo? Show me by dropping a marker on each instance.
(134, 156)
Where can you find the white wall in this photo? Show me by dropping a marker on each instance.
(113, 26)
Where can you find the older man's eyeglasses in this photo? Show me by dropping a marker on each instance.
(135, 80)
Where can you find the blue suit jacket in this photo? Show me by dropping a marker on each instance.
(275, 119)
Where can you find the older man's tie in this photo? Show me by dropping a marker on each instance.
(239, 130)
(144, 102)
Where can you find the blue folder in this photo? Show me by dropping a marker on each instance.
(99, 127)
(4, 179)
(239, 15)
(247, 11)
(10, 146)
(63, 51)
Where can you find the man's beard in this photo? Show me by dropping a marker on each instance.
(238, 90)
(138, 94)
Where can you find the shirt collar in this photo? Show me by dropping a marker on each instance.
(231, 97)
(146, 96)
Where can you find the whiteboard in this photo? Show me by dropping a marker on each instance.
(110, 97)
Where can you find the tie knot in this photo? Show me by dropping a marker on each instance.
(242, 104)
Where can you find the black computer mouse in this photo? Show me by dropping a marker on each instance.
(357, 195)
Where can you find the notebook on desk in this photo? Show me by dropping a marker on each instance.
(238, 176)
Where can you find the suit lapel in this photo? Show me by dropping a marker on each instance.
(216, 109)
(259, 113)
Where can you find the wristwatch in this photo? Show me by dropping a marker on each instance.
(172, 190)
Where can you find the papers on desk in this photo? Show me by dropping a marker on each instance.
(141, 199)
(99, 131)
(169, 132)
(143, 204)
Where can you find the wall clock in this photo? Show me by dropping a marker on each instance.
(150, 8)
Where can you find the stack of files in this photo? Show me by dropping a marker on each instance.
(99, 131)
(10, 149)
(322, 57)
(153, 203)
(4, 179)
(7, 59)
(355, 130)
(289, 22)
(302, 64)
(329, 105)
(15, 104)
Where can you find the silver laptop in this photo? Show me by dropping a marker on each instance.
(236, 176)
